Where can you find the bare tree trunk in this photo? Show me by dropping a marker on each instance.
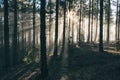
(108, 20)
(96, 23)
(44, 68)
(116, 34)
(15, 46)
(56, 29)
(101, 27)
(92, 22)
(64, 28)
(34, 24)
(80, 20)
(69, 27)
(72, 31)
(88, 40)
(50, 22)
(6, 36)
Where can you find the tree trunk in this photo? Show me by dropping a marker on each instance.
(92, 22)
(88, 40)
(96, 23)
(116, 31)
(108, 20)
(64, 28)
(80, 20)
(15, 46)
(56, 29)
(6, 36)
(69, 27)
(34, 24)
(44, 69)
(101, 27)
(50, 24)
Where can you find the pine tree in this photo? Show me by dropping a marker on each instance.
(101, 27)
(6, 36)
(44, 69)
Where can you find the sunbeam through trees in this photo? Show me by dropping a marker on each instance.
(59, 39)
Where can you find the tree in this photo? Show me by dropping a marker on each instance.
(44, 69)
(108, 21)
(118, 31)
(101, 27)
(96, 21)
(69, 25)
(6, 36)
(92, 20)
(64, 27)
(80, 21)
(15, 46)
(88, 40)
(34, 11)
(56, 29)
(116, 34)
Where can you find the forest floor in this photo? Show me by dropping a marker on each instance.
(78, 64)
(86, 64)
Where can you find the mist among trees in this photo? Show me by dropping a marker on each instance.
(59, 39)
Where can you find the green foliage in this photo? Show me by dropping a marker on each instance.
(71, 1)
(23, 5)
(31, 56)
(106, 12)
(117, 45)
(27, 58)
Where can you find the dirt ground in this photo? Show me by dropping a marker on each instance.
(77, 64)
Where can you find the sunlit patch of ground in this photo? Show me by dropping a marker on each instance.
(113, 51)
(64, 77)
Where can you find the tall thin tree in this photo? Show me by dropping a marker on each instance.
(116, 30)
(108, 22)
(56, 29)
(34, 29)
(64, 28)
(50, 24)
(69, 25)
(101, 27)
(96, 21)
(44, 69)
(6, 36)
(80, 21)
(15, 46)
(92, 20)
(88, 39)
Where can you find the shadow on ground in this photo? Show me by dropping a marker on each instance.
(80, 64)
(85, 64)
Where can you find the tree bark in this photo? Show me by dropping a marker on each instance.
(64, 28)
(15, 46)
(108, 20)
(34, 28)
(56, 29)
(44, 68)
(116, 31)
(80, 21)
(92, 22)
(101, 27)
(88, 40)
(96, 23)
(6, 36)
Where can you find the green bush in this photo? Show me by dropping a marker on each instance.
(117, 45)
